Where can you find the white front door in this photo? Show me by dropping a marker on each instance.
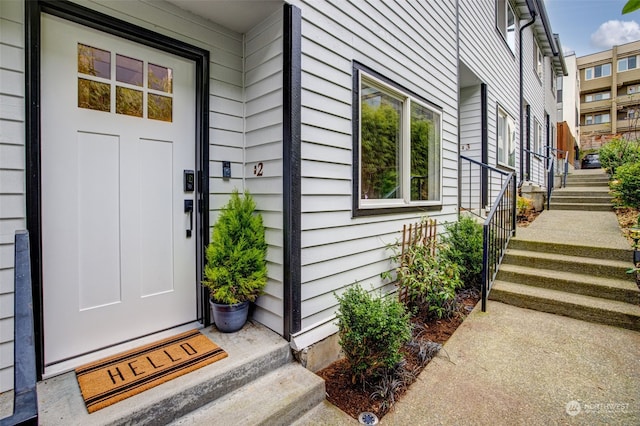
(117, 132)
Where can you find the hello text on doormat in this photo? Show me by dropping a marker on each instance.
(118, 377)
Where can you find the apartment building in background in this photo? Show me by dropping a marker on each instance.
(568, 118)
(609, 94)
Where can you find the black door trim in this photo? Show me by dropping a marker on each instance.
(99, 21)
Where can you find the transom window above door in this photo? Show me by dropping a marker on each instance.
(116, 83)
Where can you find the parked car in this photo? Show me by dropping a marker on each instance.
(591, 161)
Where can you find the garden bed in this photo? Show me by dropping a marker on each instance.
(354, 399)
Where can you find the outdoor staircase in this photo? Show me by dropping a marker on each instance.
(258, 383)
(583, 192)
(556, 269)
(581, 282)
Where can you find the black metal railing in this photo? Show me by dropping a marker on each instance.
(479, 184)
(25, 398)
(498, 228)
(550, 171)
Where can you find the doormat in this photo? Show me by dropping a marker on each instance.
(120, 376)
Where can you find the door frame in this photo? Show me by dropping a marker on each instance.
(108, 24)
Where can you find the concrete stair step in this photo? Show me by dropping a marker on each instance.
(588, 178)
(278, 398)
(606, 288)
(596, 207)
(586, 308)
(606, 268)
(579, 191)
(581, 199)
(591, 183)
(622, 255)
(252, 352)
(325, 413)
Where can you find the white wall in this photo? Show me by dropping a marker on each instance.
(12, 164)
(470, 146)
(534, 95)
(263, 152)
(411, 43)
(484, 51)
(571, 95)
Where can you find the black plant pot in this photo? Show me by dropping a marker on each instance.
(229, 318)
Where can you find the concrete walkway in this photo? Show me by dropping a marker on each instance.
(513, 366)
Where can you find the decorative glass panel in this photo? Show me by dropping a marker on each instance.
(128, 101)
(160, 78)
(425, 153)
(94, 95)
(95, 62)
(160, 107)
(129, 70)
(381, 155)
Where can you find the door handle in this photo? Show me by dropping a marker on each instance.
(188, 208)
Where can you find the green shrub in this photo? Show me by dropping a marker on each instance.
(236, 269)
(430, 281)
(626, 185)
(372, 329)
(618, 152)
(463, 246)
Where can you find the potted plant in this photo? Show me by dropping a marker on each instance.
(236, 269)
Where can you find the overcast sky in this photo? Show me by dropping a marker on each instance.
(589, 26)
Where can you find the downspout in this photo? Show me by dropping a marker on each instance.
(533, 19)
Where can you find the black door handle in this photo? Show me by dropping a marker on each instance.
(188, 208)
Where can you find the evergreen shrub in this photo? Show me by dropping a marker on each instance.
(372, 329)
(236, 269)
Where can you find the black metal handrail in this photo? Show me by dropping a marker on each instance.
(550, 171)
(498, 228)
(25, 397)
(500, 223)
(489, 180)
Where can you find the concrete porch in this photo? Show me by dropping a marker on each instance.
(259, 382)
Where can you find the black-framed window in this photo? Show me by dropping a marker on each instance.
(506, 23)
(397, 146)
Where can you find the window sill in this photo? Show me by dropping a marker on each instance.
(505, 167)
(408, 208)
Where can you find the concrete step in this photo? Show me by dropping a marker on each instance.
(278, 398)
(252, 352)
(325, 413)
(578, 191)
(606, 288)
(565, 263)
(599, 177)
(591, 183)
(594, 207)
(623, 255)
(588, 198)
(586, 308)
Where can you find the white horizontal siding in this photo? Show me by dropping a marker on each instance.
(263, 152)
(414, 45)
(484, 51)
(12, 161)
